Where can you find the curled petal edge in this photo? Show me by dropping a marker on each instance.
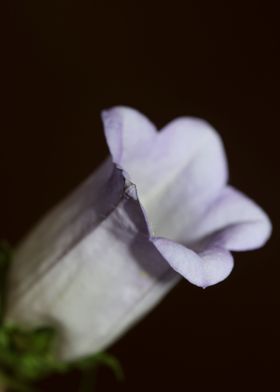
(202, 269)
(234, 222)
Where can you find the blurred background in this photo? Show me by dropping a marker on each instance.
(64, 61)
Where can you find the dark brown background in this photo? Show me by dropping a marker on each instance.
(64, 62)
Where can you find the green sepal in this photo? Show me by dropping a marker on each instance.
(28, 356)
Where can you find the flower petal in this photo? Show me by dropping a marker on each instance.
(235, 222)
(107, 278)
(126, 131)
(178, 171)
(189, 173)
(209, 267)
(67, 223)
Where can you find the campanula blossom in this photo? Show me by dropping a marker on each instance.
(158, 209)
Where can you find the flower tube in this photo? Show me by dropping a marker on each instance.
(157, 210)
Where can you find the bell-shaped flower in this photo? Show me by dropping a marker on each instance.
(158, 209)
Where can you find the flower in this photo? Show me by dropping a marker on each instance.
(158, 209)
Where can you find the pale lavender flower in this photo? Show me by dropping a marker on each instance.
(158, 209)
